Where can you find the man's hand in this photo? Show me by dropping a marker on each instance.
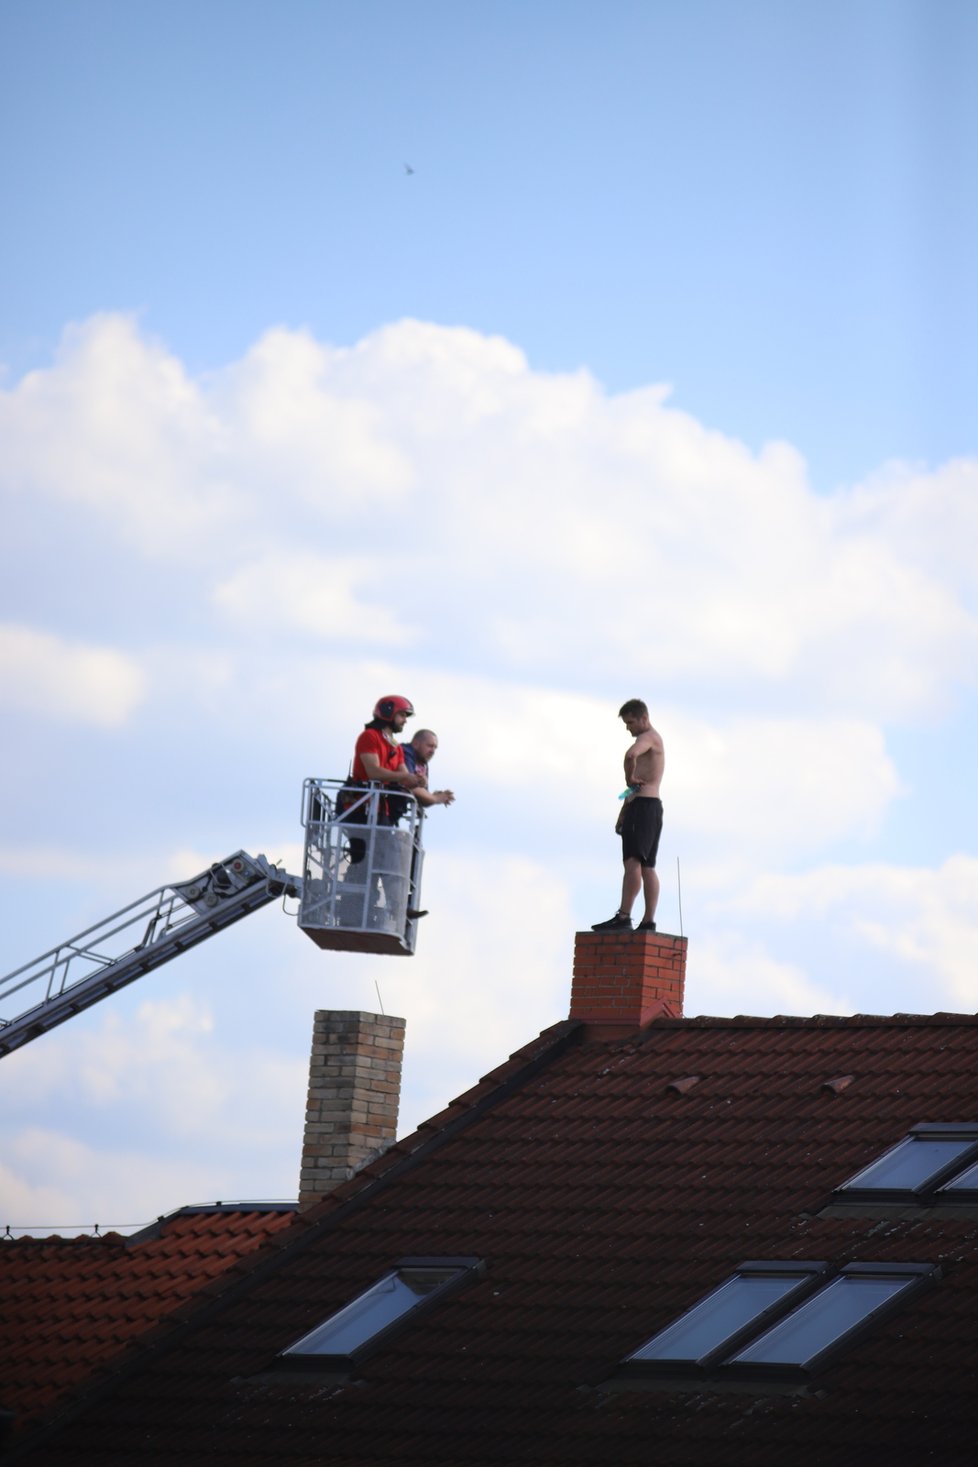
(434, 797)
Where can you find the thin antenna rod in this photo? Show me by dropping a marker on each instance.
(379, 999)
(679, 888)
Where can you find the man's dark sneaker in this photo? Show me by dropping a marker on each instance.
(413, 913)
(645, 927)
(617, 923)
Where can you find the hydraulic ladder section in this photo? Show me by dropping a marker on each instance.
(134, 941)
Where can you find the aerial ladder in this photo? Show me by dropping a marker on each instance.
(359, 892)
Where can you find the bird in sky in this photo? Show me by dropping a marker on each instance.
(408, 168)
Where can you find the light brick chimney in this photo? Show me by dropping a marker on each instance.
(623, 980)
(354, 1090)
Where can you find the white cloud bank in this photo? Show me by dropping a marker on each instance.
(66, 680)
(428, 482)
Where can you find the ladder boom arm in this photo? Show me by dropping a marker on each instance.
(142, 936)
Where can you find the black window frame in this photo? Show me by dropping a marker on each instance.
(929, 1194)
(339, 1365)
(717, 1369)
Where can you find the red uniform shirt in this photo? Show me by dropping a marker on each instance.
(373, 741)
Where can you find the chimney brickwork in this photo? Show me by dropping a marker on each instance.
(626, 979)
(354, 1090)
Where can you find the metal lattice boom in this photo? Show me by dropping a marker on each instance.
(142, 936)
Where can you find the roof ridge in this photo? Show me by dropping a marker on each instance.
(817, 1021)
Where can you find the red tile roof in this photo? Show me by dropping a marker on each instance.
(605, 1201)
(68, 1306)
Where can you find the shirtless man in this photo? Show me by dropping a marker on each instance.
(640, 822)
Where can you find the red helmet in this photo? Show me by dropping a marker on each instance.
(387, 707)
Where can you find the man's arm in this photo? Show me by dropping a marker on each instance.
(434, 797)
(644, 760)
(648, 744)
(402, 776)
(631, 758)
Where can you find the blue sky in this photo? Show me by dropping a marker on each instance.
(656, 377)
(768, 206)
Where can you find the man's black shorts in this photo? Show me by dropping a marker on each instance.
(641, 829)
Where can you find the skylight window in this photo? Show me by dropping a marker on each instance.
(755, 1294)
(771, 1326)
(849, 1302)
(926, 1168)
(380, 1311)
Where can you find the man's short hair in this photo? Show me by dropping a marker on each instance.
(633, 706)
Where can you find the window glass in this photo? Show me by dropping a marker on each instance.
(909, 1165)
(966, 1181)
(388, 1299)
(839, 1307)
(708, 1324)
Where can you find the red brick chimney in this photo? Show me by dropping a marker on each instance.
(354, 1090)
(624, 980)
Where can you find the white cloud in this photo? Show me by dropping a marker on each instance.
(65, 680)
(429, 481)
(924, 919)
(214, 1120)
(95, 1185)
(929, 516)
(298, 426)
(732, 974)
(26, 1203)
(117, 425)
(781, 785)
(115, 1060)
(446, 379)
(312, 594)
